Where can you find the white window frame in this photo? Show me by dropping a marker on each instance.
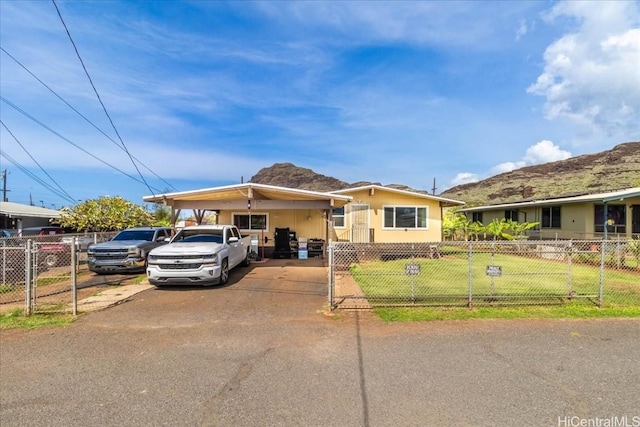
(416, 207)
(343, 216)
(266, 215)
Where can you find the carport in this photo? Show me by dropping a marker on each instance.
(259, 209)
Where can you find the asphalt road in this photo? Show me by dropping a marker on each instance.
(261, 352)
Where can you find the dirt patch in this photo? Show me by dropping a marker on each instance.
(58, 294)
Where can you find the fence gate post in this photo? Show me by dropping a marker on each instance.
(28, 269)
(74, 276)
(470, 276)
(331, 277)
(569, 253)
(602, 254)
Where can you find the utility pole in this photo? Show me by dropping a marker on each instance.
(4, 186)
(433, 190)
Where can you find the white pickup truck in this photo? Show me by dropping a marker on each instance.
(199, 255)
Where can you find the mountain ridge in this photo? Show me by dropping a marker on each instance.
(608, 170)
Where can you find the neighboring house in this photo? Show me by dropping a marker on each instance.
(614, 214)
(365, 214)
(387, 215)
(17, 216)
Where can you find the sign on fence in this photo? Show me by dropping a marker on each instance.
(494, 270)
(412, 269)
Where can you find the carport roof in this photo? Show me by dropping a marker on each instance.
(17, 210)
(216, 197)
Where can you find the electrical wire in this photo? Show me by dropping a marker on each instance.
(36, 178)
(83, 116)
(99, 99)
(35, 161)
(20, 110)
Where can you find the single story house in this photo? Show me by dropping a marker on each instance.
(613, 214)
(389, 215)
(16, 216)
(371, 213)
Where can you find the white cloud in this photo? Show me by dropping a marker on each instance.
(591, 75)
(543, 152)
(464, 178)
(506, 167)
(522, 29)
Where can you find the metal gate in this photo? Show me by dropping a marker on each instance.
(366, 275)
(38, 275)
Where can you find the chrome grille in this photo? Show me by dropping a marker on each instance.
(174, 257)
(179, 266)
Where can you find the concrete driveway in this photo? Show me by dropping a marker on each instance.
(261, 351)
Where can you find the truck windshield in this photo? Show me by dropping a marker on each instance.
(200, 237)
(135, 235)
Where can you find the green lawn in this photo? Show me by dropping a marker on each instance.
(16, 319)
(529, 279)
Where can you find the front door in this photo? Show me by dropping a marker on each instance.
(635, 219)
(360, 223)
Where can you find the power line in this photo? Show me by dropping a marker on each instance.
(36, 178)
(35, 161)
(83, 116)
(20, 110)
(99, 99)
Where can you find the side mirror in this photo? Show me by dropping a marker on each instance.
(232, 239)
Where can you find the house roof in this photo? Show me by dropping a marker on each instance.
(375, 187)
(221, 197)
(562, 200)
(17, 210)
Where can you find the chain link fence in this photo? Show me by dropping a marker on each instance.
(367, 275)
(44, 274)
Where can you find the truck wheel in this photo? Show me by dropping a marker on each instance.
(51, 261)
(224, 272)
(247, 261)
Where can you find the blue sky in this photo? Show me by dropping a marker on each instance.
(208, 93)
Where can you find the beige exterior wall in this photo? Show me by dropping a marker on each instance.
(577, 220)
(376, 202)
(306, 223)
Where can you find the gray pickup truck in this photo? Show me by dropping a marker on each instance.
(127, 251)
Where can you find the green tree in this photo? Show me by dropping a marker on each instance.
(455, 225)
(498, 229)
(477, 229)
(161, 215)
(105, 214)
(508, 229)
(519, 228)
